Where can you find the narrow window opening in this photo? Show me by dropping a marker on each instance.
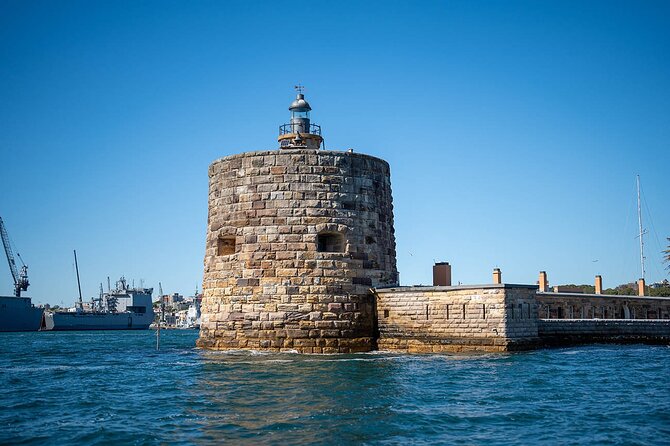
(330, 242)
(484, 311)
(520, 311)
(226, 246)
(370, 240)
(463, 311)
(386, 313)
(447, 311)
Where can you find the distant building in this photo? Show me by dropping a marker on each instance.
(169, 300)
(661, 284)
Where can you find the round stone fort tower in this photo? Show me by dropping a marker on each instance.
(296, 237)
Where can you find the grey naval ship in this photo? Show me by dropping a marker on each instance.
(17, 313)
(122, 308)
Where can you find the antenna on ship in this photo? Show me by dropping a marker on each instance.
(76, 266)
(642, 232)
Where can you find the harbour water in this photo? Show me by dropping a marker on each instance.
(114, 387)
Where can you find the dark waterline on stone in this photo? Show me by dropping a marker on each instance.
(104, 387)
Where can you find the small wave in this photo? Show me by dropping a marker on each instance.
(573, 352)
(184, 363)
(54, 367)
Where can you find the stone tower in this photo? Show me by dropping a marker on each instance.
(296, 237)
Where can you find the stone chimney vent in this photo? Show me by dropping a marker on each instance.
(599, 284)
(543, 282)
(497, 276)
(640, 287)
(442, 274)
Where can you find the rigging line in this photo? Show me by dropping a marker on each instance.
(651, 220)
(653, 228)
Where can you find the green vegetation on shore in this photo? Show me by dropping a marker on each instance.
(629, 289)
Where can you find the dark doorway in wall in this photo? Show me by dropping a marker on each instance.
(330, 242)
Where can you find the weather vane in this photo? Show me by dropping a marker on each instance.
(299, 88)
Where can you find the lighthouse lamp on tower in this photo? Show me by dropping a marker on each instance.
(300, 133)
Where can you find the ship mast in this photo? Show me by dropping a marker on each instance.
(642, 232)
(76, 266)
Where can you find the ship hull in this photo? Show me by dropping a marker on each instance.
(95, 321)
(18, 314)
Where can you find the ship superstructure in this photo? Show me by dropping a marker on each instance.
(123, 308)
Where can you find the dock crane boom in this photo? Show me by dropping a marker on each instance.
(20, 277)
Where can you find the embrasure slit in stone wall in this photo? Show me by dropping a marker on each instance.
(225, 246)
(330, 242)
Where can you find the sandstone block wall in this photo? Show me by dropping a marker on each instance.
(462, 318)
(295, 240)
(600, 306)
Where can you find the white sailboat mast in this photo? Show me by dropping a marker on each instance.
(639, 220)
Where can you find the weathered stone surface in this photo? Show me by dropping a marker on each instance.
(277, 290)
(457, 319)
(583, 331)
(601, 306)
(505, 317)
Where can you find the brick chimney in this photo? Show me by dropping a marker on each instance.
(543, 282)
(497, 276)
(442, 274)
(640, 287)
(599, 284)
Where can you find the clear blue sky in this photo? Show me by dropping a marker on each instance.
(514, 130)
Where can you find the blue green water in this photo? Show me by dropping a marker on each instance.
(115, 388)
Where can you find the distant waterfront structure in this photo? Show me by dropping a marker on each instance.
(296, 238)
(300, 256)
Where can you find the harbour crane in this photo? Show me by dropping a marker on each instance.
(20, 277)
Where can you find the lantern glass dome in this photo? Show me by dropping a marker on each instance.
(299, 114)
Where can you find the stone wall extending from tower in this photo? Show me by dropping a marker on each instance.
(295, 241)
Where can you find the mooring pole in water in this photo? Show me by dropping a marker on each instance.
(158, 332)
